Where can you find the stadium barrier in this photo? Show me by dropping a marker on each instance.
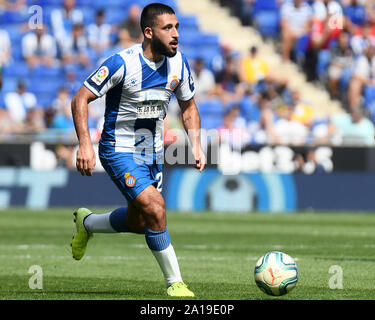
(185, 189)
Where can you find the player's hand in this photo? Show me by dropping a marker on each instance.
(86, 160)
(200, 159)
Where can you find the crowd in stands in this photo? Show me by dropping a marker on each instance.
(333, 42)
(42, 69)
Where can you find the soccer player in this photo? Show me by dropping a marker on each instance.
(138, 83)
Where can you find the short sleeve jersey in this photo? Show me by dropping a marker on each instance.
(137, 96)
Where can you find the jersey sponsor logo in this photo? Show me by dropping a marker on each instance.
(101, 75)
(129, 180)
(150, 109)
(174, 83)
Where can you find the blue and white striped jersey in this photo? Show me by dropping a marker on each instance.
(137, 96)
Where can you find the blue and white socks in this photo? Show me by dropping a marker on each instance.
(160, 245)
(158, 241)
(111, 222)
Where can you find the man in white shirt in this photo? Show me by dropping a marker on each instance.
(99, 33)
(203, 78)
(63, 20)
(39, 48)
(19, 103)
(363, 74)
(295, 22)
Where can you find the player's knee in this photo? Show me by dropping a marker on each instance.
(155, 212)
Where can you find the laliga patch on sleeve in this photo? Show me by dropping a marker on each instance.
(100, 76)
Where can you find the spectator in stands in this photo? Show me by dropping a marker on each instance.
(295, 22)
(63, 115)
(287, 130)
(63, 20)
(362, 38)
(327, 24)
(363, 74)
(39, 48)
(16, 5)
(5, 47)
(71, 82)
(233, 131)
(228, 86)
(130, 30)
(34, 121)
(352, 128)
(99, 33)
(204, 79)
(303, 112)
(19, 103)
(355, 14)
(253, 68)
(75, 50)
(341, 61)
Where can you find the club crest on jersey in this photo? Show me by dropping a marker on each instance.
(100, 76)
(129, 180)
(174, 83)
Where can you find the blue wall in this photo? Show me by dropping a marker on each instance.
(188, 190)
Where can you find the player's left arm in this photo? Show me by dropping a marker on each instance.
(192, 124)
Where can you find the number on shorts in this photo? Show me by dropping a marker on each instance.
(159, 178)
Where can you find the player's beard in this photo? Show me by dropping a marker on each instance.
(159, 47)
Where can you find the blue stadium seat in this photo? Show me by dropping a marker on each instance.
(369, 95)
(249, 109)
(208, 41)
(345, 79)
(10, 84)
(187, 21)
(115, 15)
(45, 99)
(14, 17)
(14, 32)
(16, 69)
(211, 121)
(211, 107)
(324, 59)
(43, 71)
(262, 5)
(44, 86)
(301, 46)
(268, 23)
(189, 38)
(55, 3)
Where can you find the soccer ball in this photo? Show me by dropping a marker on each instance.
(276, 273)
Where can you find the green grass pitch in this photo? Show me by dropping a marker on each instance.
(217, 254)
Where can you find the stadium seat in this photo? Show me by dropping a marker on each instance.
(14, 17)
(10, 84)
(45, 99)
(17, 69)
(14, 32)
(268, 23)
(208, 41)
(369, 96)
(324, 59)
(345, 79)
(212, 122)
(301, 47)
(187, 21)
(265, 5)
(211, 107)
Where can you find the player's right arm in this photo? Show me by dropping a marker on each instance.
(107, 76)
(86, 159)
